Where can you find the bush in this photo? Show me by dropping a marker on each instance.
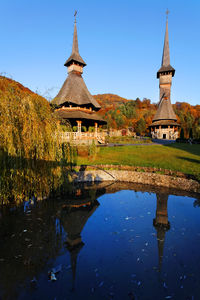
(91, 129)
(74, 128)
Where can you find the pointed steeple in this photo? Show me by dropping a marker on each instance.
(161, 240)
(75, 56)
(166, 56)
(74, 252)
(165, 65)
(161, 224)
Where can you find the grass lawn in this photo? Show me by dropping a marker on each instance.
(127, 140)
(177, 157)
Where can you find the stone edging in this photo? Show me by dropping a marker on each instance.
(159, 180)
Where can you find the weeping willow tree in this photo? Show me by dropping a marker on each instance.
(27, 125)
(32, 155)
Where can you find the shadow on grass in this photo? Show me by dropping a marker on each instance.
(192, 160)
(192, 149)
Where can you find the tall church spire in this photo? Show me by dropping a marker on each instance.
(165, 65)
(166, 56)
(75, 41)
(75, 57)
(164, 124)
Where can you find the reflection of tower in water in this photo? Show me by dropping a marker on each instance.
(73, 218)
(161, 223)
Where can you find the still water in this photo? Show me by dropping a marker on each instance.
(105, 242)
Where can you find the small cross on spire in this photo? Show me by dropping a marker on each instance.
(75, 16)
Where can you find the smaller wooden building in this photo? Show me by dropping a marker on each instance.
(74, 102)
(164, 124)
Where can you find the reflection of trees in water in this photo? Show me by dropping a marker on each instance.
(20, 178)
(196, 203)
(30, 242)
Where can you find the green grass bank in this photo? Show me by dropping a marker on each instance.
(176, 157)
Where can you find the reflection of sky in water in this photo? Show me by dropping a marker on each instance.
(120, 255)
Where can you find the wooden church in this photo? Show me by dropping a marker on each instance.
(74, 102)
(164, 124)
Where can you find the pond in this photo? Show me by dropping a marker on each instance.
(111, 241)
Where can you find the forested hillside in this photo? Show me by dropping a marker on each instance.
(122, 113)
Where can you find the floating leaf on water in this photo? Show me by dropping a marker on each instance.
(53, 277)
(164, 285)
(115, 232)
(34, 280)
(101, 284)
(57, 269)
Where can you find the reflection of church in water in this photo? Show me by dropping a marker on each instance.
(73, 217)
(161, 224)
(76, 212)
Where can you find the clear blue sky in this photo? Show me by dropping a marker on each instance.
(121, 42)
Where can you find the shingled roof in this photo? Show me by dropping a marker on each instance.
(165, 65)
(165, 111)
(74, 90)
(79, 115)
(75, 56)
